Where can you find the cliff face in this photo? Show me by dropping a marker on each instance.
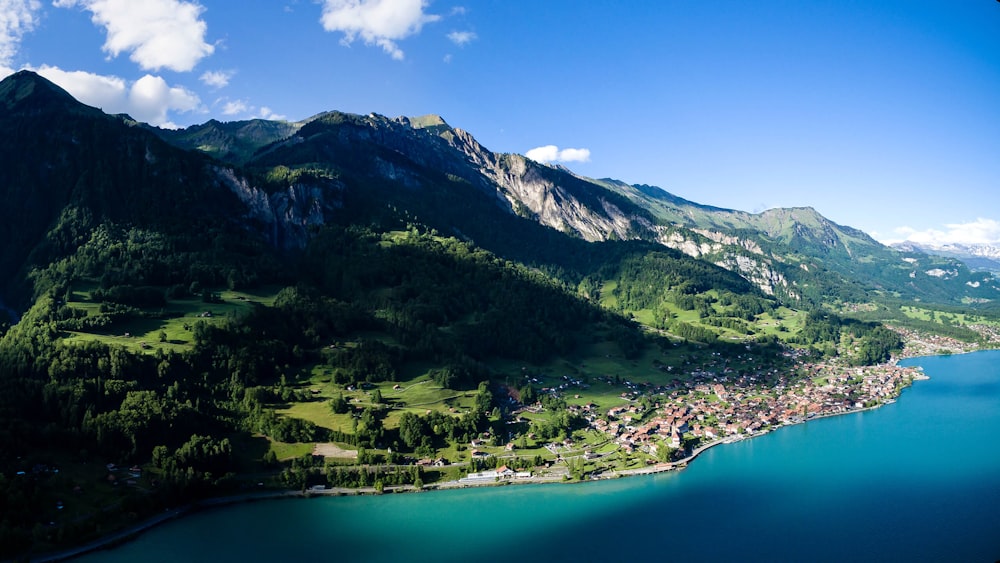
(550, 196)
(286, 216)
(534, 191)
(739, 255)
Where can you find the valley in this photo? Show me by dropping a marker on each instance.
(366, 303)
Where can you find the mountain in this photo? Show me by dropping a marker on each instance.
(66, 167)
(978, 257)
(427, 167)
(76, 180)
(232, 142)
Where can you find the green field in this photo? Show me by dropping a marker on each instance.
(169, 328)
(926, 314)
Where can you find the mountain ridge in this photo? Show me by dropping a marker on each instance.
(293, 177)
(793, 253)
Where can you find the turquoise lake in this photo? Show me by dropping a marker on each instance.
(916, 480)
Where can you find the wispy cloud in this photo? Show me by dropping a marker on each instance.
(980, 231)
(461, 38)
(552, 153)
(149, 99)
(158, 33)
(217, 78)
(376, 22)
(17, 17)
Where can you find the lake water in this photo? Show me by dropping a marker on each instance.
(917, 480)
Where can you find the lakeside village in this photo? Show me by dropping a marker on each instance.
(713, 408)
(710, 409)
(670, 425)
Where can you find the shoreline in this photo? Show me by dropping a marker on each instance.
(130, 533)
(134, 531)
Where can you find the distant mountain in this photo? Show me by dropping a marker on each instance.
(233, 142)
(978, 257)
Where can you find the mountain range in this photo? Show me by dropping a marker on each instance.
(289, 178)
(795, 254)
(977, 256)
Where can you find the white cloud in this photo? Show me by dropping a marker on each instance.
(574, 155)
(266, 113)
(158, 33)
(376, 22)
(552, 153)
(461, 38)
(152, 98)
(217, 78)
(980, 231)
(149, 99)
(106, 92)
(234, 107)
(246, 110)
(17, 17)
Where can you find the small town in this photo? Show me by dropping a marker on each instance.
(712, 406)
(714, 409)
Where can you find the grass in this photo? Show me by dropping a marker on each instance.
(608, 299)
(78, 483)
(417, 395)
(168, 328)
(284, 451)
(941, 317)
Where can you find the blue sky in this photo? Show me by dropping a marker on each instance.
(883, 115)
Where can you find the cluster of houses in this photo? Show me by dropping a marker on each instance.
(712, 410)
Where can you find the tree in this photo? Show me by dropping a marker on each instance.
(411, 429)
(483, 398)
(528, 395)
(339, 405)
(377, 397)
